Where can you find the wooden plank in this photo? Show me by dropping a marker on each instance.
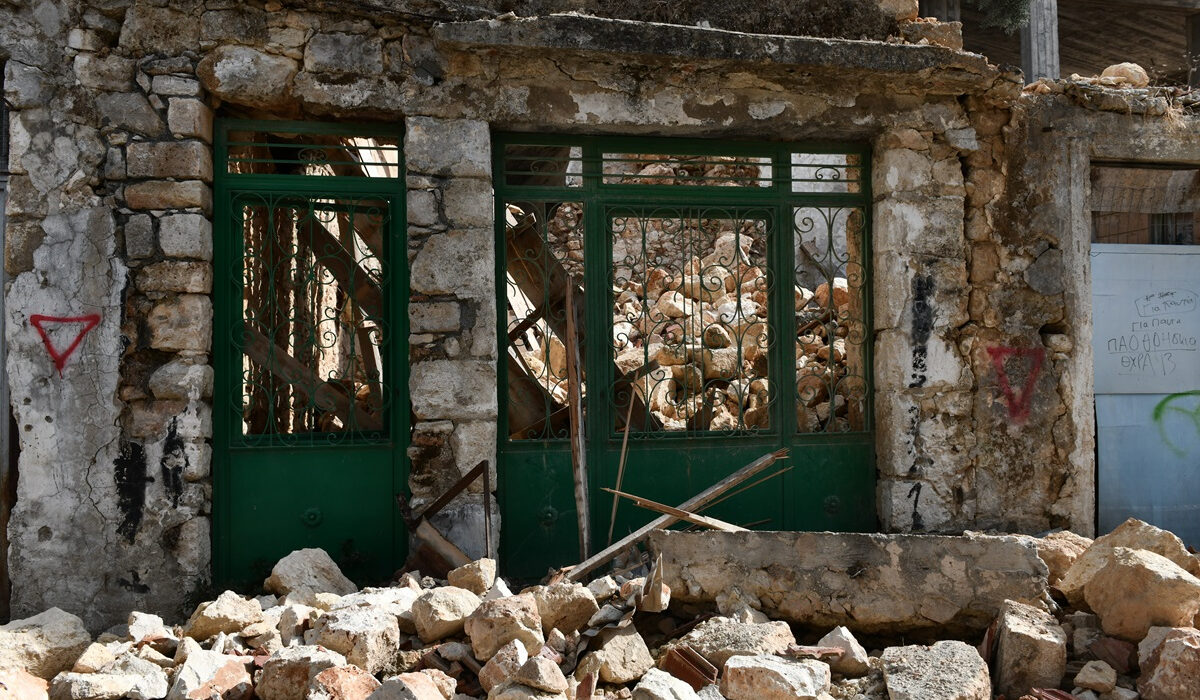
(1039, 42)
(575, 405)
(693, 518)
(463, 482)
(692, 504)
(326, 395)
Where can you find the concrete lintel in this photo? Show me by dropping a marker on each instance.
(873, 584)
(575, 32)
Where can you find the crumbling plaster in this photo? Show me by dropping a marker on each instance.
(110, 208)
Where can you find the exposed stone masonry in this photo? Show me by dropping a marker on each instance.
(981, 347)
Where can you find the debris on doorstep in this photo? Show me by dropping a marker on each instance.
(1123, 629)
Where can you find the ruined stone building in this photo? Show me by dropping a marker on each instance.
(268, 265)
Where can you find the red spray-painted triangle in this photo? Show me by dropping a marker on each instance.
(1018, 404)
(60, 357)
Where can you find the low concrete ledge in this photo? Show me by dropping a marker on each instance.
(574, 32)
(873, 584)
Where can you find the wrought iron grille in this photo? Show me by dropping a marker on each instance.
(311, 223)
(696, 260)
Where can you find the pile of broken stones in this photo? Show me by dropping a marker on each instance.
(1120, 624)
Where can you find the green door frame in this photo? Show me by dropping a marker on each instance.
(837, 493)
(228, 440)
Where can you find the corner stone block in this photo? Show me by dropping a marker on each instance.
(182, 323)
(169, 195)
(926, 226)
(448, 147)
(901, 170)
(925, 361)
(453, 389)
(911, 506)
(468, 203)
(176, 276)
(191, 160)
(188, 118)
(456, 262)
(185, 236)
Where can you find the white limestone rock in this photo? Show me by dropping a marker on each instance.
(477, 576)
(853, 661)
(1137, 590)
(497, 622)
(212, 674)
(308, 570)
(289, 672)
(45, 644)
(229, 613)
(1031, 650)
(660, 685)
(768, 677)
(441, 612)
(368, 637)
(620, 656)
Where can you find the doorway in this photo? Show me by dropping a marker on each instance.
(311, 411)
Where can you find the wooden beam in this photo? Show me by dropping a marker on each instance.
(578, 447)
(693, 518)
(1039, 42)
(694, 503)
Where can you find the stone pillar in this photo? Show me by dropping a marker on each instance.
(452, 316)
(923, 380)
(1039, 42)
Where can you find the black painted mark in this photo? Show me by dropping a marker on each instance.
(174, 460)
(918, 523)
(133, 584)
(129, 474)
(922, 327)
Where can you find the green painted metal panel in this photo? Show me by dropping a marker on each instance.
(311, 413)
(591, 211)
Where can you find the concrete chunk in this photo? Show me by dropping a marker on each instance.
(950, 670)
(1031, 650)
(892, 584)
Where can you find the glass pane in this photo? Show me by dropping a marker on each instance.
(1149, 206)
(827, 173)
(664, 169)
(689, 334)
(831, 374)
(284, 153)
(544, 259)
(313, 333)
(543, 165)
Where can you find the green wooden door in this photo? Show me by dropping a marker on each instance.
(721, 295)
(311, 411)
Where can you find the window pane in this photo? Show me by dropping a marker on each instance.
(285, 153)
(670, 169)
(826, 173)
(544, 257)
(831, 384)
(689, 319)
(313, 330)
(1149, 206)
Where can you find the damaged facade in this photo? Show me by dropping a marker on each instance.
(271, 264)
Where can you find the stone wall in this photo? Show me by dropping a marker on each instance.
(982, 384)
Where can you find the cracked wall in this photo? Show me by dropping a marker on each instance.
(981, 377)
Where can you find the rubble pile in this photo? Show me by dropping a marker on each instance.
(1117, 621)
(690, 295)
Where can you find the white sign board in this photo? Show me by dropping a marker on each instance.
(1146, 318)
